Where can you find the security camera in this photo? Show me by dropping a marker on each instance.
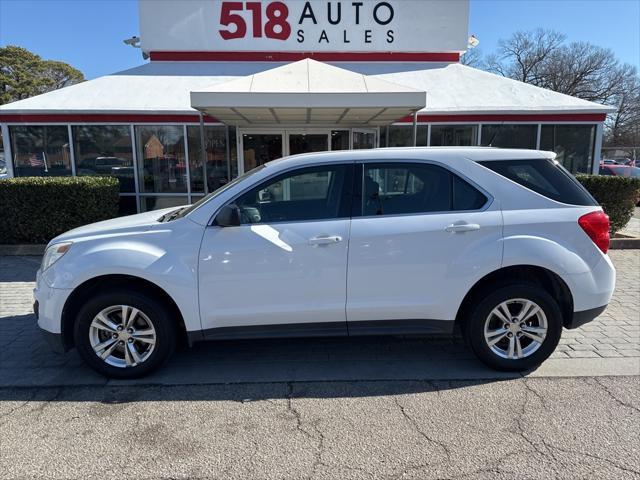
(133, 41)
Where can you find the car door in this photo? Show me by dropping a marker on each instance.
(283, 270)
(420, 238)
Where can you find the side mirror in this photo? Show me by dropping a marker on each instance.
(228, 216)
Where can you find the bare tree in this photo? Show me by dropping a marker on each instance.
(472, 58)
(523, 55)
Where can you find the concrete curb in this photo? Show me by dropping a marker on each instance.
(625, 243)
(22, 249)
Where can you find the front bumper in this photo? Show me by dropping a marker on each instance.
(585, 316)
(48, 305)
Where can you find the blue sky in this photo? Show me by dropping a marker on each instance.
(88, 34)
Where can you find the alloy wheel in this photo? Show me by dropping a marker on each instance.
(122, 336)
(515, 329)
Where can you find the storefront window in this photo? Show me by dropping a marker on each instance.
(3, 163)
(402, 136)
(105, 150)
(574, 145)
(340, 140)
(40, 150)
(216, 164)
(454, 135)
(510, 136)
(162, 165)
(156, 203)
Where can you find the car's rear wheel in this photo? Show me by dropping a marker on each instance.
(515, 327)
(124, 334)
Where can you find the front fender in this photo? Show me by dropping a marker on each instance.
(165, 257)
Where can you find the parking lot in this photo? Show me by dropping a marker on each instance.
(324, 408)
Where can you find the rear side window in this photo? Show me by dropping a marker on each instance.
(545, 177)
(399, 188)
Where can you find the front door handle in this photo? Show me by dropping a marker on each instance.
(325, 239)
(462, 227)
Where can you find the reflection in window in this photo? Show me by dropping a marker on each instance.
(312, 193)
(105, 150)
(454, 135)
(402, 136)
(40, 150)
(217, 166)
(156, 203)
(364, 140)
(161, 157)
(340, 140)
(574, 145)
(510, 136)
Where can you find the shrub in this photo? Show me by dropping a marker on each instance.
(36, 209)
(617, 196)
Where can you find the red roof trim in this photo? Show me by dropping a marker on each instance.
(150, 118)
(195, 56)
(524, 117)
(102, 118)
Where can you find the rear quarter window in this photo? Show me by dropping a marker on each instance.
(545, 177)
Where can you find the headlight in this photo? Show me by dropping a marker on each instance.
(54, 253)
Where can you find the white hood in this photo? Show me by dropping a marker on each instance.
(139, 222)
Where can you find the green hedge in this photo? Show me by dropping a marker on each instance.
(36, 209)
(617, 196)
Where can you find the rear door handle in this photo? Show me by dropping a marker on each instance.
(325, 239)
(462, 227)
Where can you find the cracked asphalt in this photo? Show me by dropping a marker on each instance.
(517, 428)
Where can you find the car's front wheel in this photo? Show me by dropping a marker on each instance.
(124, 334)
(515, 327)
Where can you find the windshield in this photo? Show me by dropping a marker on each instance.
(215, 193)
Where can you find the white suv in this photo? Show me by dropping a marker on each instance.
(504, 244)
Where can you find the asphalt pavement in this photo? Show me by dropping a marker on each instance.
(536, 428)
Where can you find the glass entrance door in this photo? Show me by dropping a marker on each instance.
(307, 142)
(364, 138)
(260, 148)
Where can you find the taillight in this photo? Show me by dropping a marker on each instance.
(596, 225)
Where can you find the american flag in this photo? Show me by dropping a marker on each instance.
(37, 160)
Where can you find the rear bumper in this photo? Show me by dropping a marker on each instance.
(585, 316)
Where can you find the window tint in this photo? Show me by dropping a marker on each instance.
(313, 193)
(466, 197)
(545, 177)
(392, 189)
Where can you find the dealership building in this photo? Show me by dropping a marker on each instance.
(232, 85)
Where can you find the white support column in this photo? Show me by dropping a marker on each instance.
(134, 151)
(186, 161)
(538, 136)
(479, 135)
(597, 149)
(429, 135)
(8, 157)
(72, 153)
(415, 128)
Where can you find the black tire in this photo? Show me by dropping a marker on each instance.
(475, 334)
(156, 312)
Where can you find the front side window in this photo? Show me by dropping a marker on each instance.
(396, 189)
(313, 193)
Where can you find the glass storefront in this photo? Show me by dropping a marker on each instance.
(161, 159)
(216, 168)
(454, 135)
(510, 136)
(402, 136)
(40, 150)
(574, 145)
(163, 176)
(105, 150)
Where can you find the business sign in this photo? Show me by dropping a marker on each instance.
(304, 26)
